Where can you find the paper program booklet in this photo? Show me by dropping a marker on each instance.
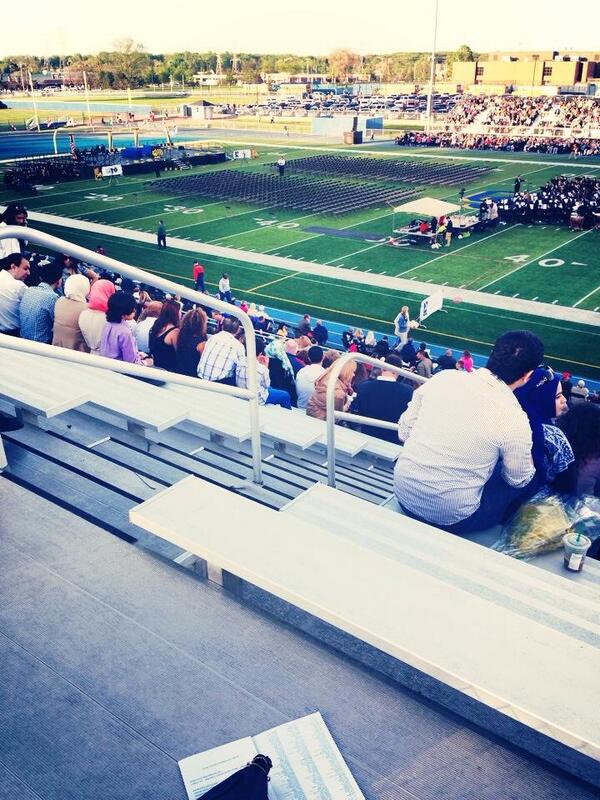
(307, 764)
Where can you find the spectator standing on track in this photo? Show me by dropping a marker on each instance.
(466, 463)
(36, 310)
(14, 269)
(320, 333)
(281, 166)
(225, 288)
(161, 235)
(198, 276)
(401, 324)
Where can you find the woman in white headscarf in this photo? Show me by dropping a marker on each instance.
(67, 310)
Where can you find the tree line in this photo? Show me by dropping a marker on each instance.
(130, 65)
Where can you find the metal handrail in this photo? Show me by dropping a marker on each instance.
(170, 287)
(332, 415)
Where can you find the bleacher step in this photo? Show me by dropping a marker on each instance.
(417, 611)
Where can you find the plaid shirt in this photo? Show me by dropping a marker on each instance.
(37, 313)
(220, 357)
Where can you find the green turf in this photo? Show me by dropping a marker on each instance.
(568, 345)
(538, 262)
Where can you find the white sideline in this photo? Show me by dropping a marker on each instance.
(546, 310)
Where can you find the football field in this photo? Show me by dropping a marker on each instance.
(539, 263)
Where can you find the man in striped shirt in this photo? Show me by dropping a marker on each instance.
(222, 353)
(466, 461)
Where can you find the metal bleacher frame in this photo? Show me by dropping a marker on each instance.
(138, 371)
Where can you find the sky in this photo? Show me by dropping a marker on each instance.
(313, 27)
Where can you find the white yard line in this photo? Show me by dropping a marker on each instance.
(216, 219)
(585, 297)
(220, 239)
(270, 283)
(354, 253)
(460, 249)
(531, 261)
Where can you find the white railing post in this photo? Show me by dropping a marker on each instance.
(332, 414)
(170, 287)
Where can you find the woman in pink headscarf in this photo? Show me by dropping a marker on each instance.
(93, 319)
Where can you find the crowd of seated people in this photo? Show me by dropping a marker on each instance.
(568, 111)
(571, 200)
(546, 427)
(554, 145)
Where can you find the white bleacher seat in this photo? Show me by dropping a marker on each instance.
(492, 629)
(49, 387)
(38, 385)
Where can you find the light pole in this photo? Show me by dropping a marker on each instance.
(535, 60)
(35, 111)
(432, 73)
(87, 98)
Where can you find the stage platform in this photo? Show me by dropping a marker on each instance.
(115, 664)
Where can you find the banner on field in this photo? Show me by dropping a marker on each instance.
(112, 171)
(242, 154)
(430, 305)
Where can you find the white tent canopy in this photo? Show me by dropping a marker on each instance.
(428, 207)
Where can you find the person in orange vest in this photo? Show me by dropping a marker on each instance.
(198, 276)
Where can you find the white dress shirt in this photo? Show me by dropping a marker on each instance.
(305, 382)
(455, 429)
(220, 357)
(11, 292)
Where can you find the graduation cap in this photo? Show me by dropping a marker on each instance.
(249, 783)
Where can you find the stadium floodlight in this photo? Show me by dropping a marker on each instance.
(432, 72)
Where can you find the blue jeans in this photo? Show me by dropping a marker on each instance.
(278, 397)
(498, 502)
